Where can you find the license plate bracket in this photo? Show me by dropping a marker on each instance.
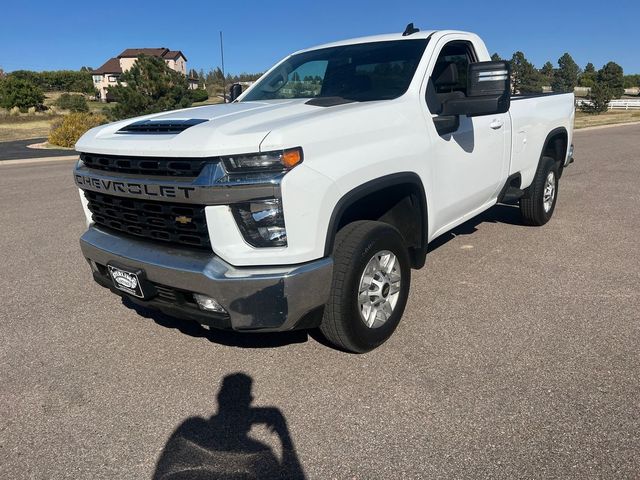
(128, 280)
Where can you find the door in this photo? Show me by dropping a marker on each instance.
(469, 154)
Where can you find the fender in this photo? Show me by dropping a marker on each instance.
(553, 133)
(370, 187)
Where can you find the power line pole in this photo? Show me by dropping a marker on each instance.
(224, 77)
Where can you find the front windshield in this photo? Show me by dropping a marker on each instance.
(358, 72)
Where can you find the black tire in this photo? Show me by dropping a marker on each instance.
(532, 205)
(356, 244)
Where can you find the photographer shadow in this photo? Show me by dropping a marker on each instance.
(220, 447)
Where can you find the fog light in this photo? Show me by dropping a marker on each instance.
(208, 304)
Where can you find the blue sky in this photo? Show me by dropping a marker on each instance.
(47, 35)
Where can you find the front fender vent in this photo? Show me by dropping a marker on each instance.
(160, 126)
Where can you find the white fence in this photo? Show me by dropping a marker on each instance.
(631, 104)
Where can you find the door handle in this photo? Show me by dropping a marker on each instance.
(496, 124)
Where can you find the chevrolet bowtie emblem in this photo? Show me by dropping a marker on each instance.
(183, 220)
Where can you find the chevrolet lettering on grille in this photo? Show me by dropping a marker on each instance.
(133, 188)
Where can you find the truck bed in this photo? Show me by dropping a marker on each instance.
(533, 119)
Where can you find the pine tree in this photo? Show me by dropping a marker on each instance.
(612, 76)
(565, 78)
(588, 77)
(525, 78)
(599, 99)
(149, 86)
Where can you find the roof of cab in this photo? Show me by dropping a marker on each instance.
(374, 38)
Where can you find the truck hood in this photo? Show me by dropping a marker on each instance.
(226, 129)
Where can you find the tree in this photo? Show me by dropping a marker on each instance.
(16, 92)
(547, 73)
(588, 77)
(631, 81)
(599, 99)
(495, 57)
(612, 76)
(524, 76)
(150, 86)
(565, 78)
(58, 80)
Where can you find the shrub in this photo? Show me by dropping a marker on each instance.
(58, 80)
(66, 132)
(15, 92)
(74, 103)
(599, 99)
(199, 95)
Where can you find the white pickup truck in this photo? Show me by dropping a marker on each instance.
(307, 201)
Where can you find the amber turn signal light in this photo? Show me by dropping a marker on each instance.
(292, 157)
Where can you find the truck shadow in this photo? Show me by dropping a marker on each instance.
(508, 214)
(222, 446)
(222, 337)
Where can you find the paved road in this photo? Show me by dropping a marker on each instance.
(517, 357)
(18, 150)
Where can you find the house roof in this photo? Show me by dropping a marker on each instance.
(113, 64)
(173, 54)
(152, 52)
(110, 66)
(135, 52)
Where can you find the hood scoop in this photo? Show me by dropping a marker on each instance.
(162, 127)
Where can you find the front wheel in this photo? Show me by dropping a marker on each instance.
(370, 286)
(540, 200)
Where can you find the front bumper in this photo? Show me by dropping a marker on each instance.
(264, 298)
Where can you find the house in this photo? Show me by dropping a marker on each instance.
(107, 75)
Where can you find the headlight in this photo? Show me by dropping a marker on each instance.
(278, 161)
(261, 223)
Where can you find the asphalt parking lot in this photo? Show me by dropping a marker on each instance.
(517, 356)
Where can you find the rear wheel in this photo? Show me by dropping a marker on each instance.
(370, 286)
(539, 202)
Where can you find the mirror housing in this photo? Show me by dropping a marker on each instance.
(235, 91)
(488, 91)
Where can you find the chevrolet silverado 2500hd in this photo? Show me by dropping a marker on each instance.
(307, 200)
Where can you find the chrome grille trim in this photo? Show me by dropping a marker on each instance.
(213, 186)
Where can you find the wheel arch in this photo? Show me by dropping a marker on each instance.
(392, 191)
(556, 145)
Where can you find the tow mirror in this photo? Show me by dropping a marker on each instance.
(488, 91)
(235, 91)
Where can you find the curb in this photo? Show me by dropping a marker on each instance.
(25, 161)
(600, 127)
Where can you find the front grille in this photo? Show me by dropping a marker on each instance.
(172, 223)
(175, 167)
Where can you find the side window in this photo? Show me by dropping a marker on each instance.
(460, 55)
(448, 81)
